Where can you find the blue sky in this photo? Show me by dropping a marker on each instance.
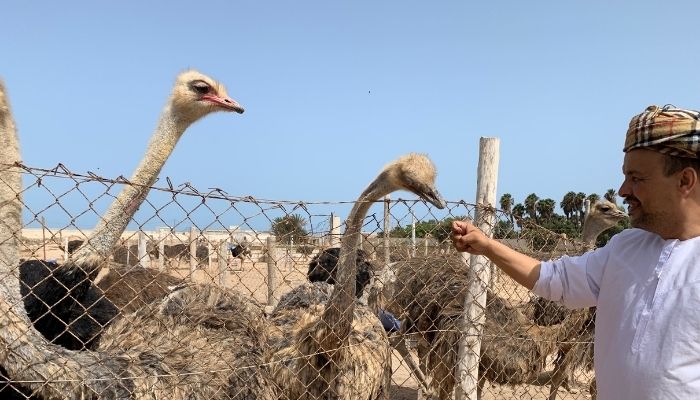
(335, 90)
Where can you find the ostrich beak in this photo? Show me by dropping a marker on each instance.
(224, 102)
(433, 197)
(620, 215)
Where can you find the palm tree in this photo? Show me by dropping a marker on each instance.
(507, 205)
(289, 229)
(567, 204)
(578, 205)
(593, 197)
(531, 205)
(611, 195)
(518, 212)
(545, 208)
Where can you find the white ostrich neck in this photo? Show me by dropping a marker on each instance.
(338, 315)
(592, 228)
(10, 190)
(111, 226)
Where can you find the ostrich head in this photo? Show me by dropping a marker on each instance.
(414, 173)
(602, 215)
(196, 95)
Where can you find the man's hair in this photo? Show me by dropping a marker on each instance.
(673, 164)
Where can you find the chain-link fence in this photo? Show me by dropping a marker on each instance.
(209, 294)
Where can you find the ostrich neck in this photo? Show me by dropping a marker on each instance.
(110, 227)
(591, 230)
(25, 353)
(338, 314)
(11, 187)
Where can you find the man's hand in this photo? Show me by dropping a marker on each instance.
(469, 238)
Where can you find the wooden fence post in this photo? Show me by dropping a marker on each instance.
(65, 248)
(193, 249)
(223, 258)
(387, 230)
(143, 258)
(475, 302)
(162, 235)
(335, 230)
(271, 271)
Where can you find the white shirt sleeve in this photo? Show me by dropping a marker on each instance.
(573, 281)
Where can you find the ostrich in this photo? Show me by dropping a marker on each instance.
(323, 343)
(431, 304)
(240, 250)
(166, 357)
(601, 216)
(322, 268)
(62, 301)
(25, 354)
(73, 245)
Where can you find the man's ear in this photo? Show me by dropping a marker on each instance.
(688, 180)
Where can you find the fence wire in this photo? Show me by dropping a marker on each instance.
(209, 296)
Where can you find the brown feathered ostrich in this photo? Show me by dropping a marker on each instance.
(324, 344)
(431, 304)
(127, 365)
(600, 216)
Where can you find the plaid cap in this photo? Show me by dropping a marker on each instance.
(669, 130)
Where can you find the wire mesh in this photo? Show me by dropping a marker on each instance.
(208, 295)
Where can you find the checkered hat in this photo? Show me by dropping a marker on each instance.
(669, 130)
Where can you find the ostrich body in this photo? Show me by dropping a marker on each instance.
(324, 344)
(200, 342)
(323, 267)
(431, 304)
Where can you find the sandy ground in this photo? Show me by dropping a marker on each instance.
(251, 277)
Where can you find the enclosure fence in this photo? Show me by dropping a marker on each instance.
(207, 294)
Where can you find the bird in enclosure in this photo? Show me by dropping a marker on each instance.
(577, 353)
(62, 300)
(324, 343)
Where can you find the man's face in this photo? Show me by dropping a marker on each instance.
(651, 196)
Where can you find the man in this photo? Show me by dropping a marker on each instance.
(646, 280)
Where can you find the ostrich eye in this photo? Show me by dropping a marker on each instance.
(200, 87)
(605, 209)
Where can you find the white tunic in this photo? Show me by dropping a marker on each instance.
(647, 332)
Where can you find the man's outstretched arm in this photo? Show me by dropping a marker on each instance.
(522, 268)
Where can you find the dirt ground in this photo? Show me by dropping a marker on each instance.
(251, 277)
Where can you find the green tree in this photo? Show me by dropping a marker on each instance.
(290, 229)
(504, 230)
(567, 204)
(507, 205)
(578, 205)
(611, 195)
(531, 205)
(518, 213)
(593, 197)
(440, 230)
(545, 209)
